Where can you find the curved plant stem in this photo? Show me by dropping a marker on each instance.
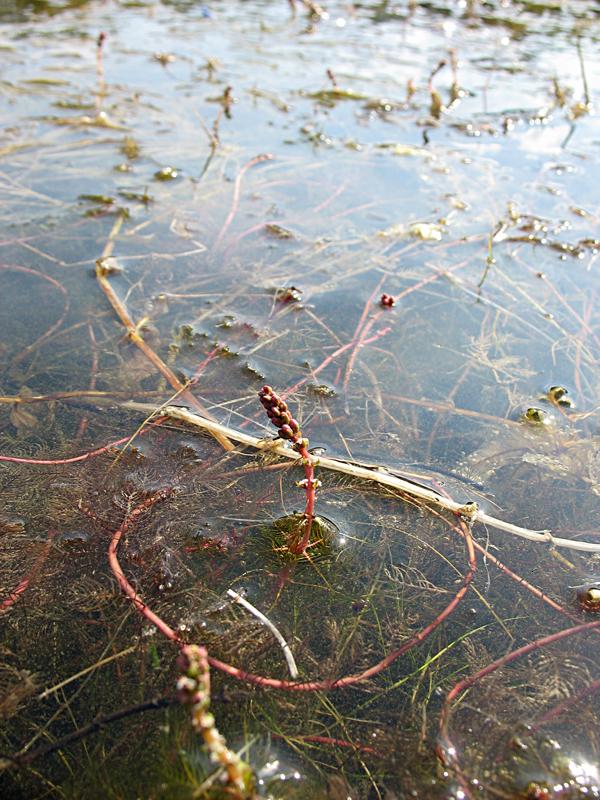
(260, 680)
(83, 457)
(37, 565)
(446, 751)
(236, 195)
(93, 727)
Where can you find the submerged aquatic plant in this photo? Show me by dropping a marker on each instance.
(193, 688)
(289, 429)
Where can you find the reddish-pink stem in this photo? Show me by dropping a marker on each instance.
(558, 710)
(358, 344)
(199, 371)
(309, 511)
(15, 594)
(275, 683)
(28, 271)
(127, 588)
(446, 751)
(363, 748)
(328, 200)
(348, 211)
(331, 358)
(507, 571)
(236, 195)
(367, 307)
(84, 456)
(259, 226)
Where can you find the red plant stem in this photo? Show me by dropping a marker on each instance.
(441, 273)
(358, 332)
(507, 571)
(55, 326)
(331, 358)
(260, 226)
(522, 582)
(555, 712)
(367, 308)
(199, 371)
(347, 211)
(83, 456)
(358, 344)
(275, 683)
(236, 195)
(328, 200)
(359, 339)
(446, 751)
(363, 748)
(39, 562)
(309, 511)
(120, 576)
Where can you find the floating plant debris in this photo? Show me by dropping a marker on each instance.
(166, 174)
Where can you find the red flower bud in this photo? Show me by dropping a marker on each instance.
(286, 432)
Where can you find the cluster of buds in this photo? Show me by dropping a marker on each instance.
(193, 688)
(280, 416)
(387, 301)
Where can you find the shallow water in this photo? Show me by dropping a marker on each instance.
(251, 232)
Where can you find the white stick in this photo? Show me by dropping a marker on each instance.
(265, 621)
(469, 510)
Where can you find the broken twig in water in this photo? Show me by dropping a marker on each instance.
(468, 510)
(103, 270)
(289, 657)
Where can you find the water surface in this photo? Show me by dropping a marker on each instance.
(259, 176)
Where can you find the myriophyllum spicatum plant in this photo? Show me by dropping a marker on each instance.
(289, 429)
(193, 689)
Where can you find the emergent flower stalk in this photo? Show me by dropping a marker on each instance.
(193, 689)
(289, 429)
